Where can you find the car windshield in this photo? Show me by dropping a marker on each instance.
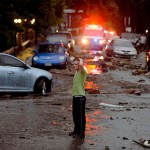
(123, 43)
(52, 48)
(56, 38)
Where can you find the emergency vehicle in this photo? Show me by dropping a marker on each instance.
(93, 35)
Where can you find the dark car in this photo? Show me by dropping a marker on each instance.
(50, 54)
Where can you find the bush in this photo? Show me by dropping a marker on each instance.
(7, 40)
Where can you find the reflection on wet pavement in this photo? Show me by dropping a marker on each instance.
(92, 66)
(93, 126)
(90, 85)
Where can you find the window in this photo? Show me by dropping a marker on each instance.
(9, 61)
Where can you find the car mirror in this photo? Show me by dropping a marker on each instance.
(26, 66)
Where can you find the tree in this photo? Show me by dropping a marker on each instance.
(45, 12)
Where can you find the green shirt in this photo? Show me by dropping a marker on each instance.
(79, 82)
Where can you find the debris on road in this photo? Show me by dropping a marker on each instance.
(138, 72)
(134, 91)
(110, 105)
(143, 143)
(92, 87)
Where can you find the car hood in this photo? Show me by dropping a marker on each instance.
(124, 48)
(40, 73)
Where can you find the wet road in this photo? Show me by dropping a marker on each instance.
(32, 122)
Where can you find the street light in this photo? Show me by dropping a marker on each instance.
(16, 21)
(32, 21)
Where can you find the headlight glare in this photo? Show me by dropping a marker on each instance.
(35, 58)
(61, 57)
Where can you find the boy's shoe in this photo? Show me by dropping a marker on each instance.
(79, 135)
(73, 133)
(82, 135)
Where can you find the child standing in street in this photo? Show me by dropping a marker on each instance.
(79, 99)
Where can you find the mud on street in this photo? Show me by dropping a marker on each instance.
(117, 112)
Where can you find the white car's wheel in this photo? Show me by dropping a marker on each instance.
(41, 87)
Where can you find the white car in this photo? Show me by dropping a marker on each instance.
(69, 37)
(64, 36)
(121, 47)
(17, 76)
(55, 37)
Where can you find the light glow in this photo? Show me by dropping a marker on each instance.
(32, 21)
(17, 20)
(93, 27)
(84, 41)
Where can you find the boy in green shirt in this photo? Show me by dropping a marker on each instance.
(79, 99)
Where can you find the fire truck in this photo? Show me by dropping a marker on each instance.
(93, 36)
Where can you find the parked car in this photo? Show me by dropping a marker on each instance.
(55, 37)
(17, 76)
(121, 47)
(69, 37)
(50, 54)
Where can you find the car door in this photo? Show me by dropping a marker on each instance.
(16, 74)
(19, 78)
(3, 78)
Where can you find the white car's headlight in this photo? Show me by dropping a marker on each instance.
(61, 57)
(35, 58)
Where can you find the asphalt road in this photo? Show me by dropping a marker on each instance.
(115, 116)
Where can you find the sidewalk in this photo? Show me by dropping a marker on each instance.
(22, 53)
